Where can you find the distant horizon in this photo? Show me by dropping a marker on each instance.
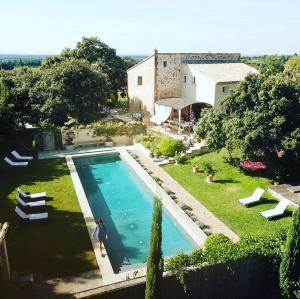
(147, 55)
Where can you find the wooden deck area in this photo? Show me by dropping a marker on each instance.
(281, 192)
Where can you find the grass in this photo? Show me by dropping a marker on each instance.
(221, 197)
(55, 247)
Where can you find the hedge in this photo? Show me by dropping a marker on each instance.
(221, 250)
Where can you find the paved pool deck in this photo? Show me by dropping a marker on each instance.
(68, 286)
(202, 213)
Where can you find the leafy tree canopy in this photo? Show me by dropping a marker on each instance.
(97, 52)
(293, 67)
(261, 118)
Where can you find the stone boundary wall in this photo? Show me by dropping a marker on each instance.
(82, 136)
(245, 279)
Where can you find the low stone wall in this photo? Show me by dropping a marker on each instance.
(82, 136)
(246, 279)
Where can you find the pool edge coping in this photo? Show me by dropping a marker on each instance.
(105, 267)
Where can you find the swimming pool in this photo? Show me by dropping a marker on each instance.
(117, 195)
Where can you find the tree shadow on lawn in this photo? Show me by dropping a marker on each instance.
(55, 247)
(226, 181)
(37, 171)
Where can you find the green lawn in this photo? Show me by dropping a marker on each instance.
(221, 197)
(55, 247)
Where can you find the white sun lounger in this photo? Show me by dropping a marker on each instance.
(255, 197)
(12, 163)
(31, 203)
(19, 157)
(294, 189)
(277, 211)
(33, 195)
(36, 216)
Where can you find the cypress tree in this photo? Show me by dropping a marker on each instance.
(155, 259)
(290, 264)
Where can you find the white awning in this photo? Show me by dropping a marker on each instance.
(176, 103)
(162, 113)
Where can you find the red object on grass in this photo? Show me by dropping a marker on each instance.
(253, 165)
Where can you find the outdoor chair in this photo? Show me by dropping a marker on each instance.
(35, 216)
(255, 197)
(31, 196)
(138, 116)
(30, 203)
(294, 189)
(19, 157)
(277, 211)
(15, 164)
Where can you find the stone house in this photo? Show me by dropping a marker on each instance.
(183, 82)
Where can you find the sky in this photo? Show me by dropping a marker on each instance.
(137, 27)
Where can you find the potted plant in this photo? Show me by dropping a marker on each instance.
(69, 133)
(195, 168)
(156, 153)
(177, 157)
(69, 137)
(209, 170)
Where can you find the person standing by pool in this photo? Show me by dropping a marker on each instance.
(100, 231)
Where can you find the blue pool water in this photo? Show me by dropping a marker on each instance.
(118, 196)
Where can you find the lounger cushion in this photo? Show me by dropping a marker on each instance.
(31, 203)
(31, 196)
(20, 157)
(12, 163)
(36, 216)
(277, 211)
(255, 197)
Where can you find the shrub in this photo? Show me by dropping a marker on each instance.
(169, 147)
(222, 251)
(209, 169)
(216, 240)
(290, 264)
(155, 259)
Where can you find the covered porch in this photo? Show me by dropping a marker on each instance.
(176, 116)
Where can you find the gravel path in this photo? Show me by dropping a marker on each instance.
(203, 214)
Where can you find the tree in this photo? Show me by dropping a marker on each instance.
(290, 264)
(155, 259)
(272, 65)
(264, 114)
(261, 119)
(97, 52)
(72, 88)
(210, 128)
(292, 67)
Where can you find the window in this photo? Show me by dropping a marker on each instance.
(194, 80)
(139, 80)
(184, 79)
(225, 88)
(165, 63)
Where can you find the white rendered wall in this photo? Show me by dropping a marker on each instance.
(141, 97)
(220, 95)
(188, 88)
(203, 90)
